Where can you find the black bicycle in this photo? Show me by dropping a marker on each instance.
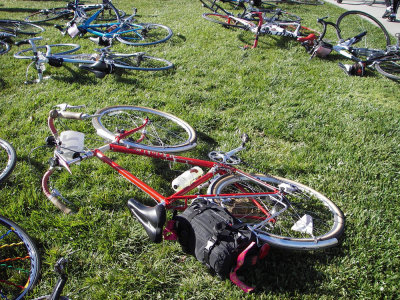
(48, 14)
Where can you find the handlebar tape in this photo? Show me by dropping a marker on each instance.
(66, 114)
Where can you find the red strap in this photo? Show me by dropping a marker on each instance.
(169, 232)
(240, 261)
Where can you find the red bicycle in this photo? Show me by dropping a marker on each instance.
(279, 211)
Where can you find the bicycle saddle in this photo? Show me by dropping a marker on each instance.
(152, 218)
(99, 68)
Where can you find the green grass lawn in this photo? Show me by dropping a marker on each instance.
(307, 121)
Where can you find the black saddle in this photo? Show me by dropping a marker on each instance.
(99, 68)
(152, 218)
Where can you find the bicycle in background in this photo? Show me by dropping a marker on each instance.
(359, 40)
(101, 63)
(49, 14)
(275, 23)
(124, 30)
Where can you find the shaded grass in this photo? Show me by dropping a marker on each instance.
(306, 119)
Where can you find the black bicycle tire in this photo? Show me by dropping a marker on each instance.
(123, 61)
(343, 36)
(275, 235)
(45, 12)
(389, 66)
(11, 160)
(30, 249)
(308, 2)
(12, 27)
(213, 17)
(4, 47)
(369, 2)
(118, 16)
(147, 27)
(188, 141)
(75, 47)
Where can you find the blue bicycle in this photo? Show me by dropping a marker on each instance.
(124, 30)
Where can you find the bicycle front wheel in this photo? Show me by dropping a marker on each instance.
(224, 20)
(389, 66)
(352, 23)
(164, 132)
(8, 158)
(311, 220)
(19, 261)
(144, 34)
(20, 27)
(56, 49)
(45, 15)
(140, 62)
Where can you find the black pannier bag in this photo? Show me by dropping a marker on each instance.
(218, 240)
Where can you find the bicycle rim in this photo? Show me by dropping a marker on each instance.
(389, 67)
(164, 133)
(19, 261)
(20, 27)
(149, 34)
(352, 23)
(45, 15)
(8, 158)
(311, 221)
(4, 47)
(56, 49)
(140, 62)
(224, 20)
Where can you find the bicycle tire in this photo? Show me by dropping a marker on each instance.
(389, 66)
(108, 13)
(45, 15)
(369, 2)
(59, 51)
(19, 262)
(20, 27)
(140, 62)
(352, 23)
(4, 47)
(308, 2)
(165, 133)
(224, 20)
(8, 158)
(328, 220)
(151, 34)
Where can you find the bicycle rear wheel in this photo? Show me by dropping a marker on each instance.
(19, 261)
(20, 27)
(140, 62)
(45, 15)
(164, 132)
(144, 34)
(311, 220)
(352, 23)
(56, 49)
(8, 158)
(224, 20)
(389, 66)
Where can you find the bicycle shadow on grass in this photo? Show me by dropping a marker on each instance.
(290, 272)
